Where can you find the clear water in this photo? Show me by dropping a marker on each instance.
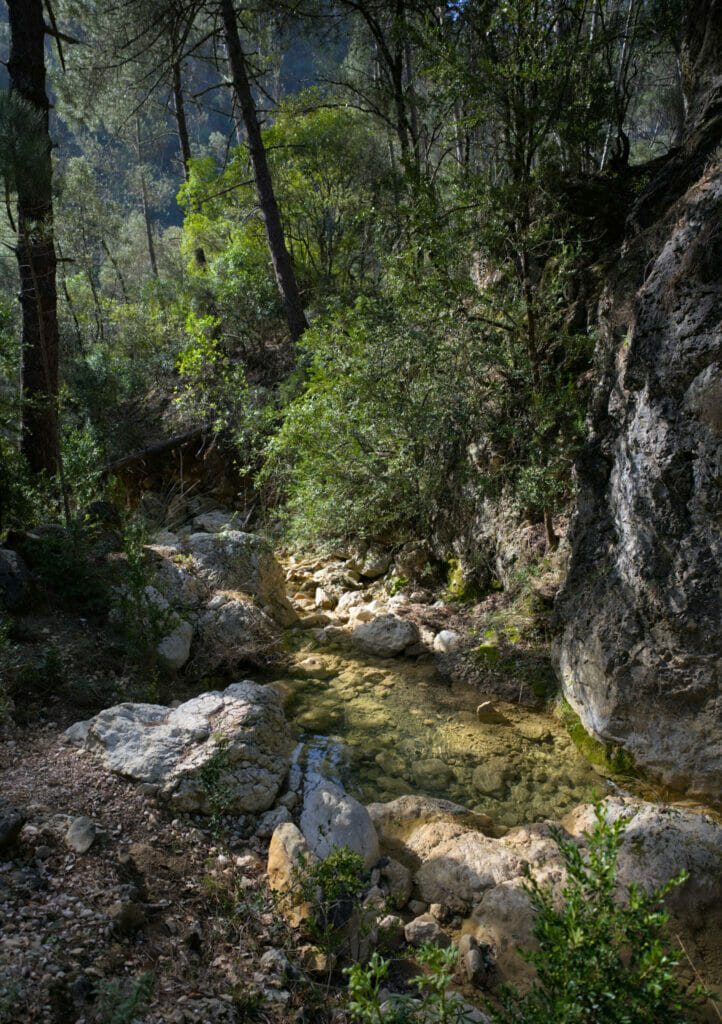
(383, 728)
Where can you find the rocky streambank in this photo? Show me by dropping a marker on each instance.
(107, 872)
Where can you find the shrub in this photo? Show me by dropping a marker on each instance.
(433, 1005)
(331, 888)
(381, 427)
(601, 959)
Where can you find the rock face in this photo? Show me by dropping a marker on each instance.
(639, 619)
(459, 868)
(287, 853)
(457, 864)
(224, 750)
(174, 649)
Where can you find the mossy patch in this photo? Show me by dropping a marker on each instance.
(487, 654)
(606, 757)
(458, 585)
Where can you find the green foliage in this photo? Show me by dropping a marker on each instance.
(331, 888)
(143, 617)
(219, 790)
(23, 141)
(121, 1000)
(333, 178)
(364, 984)
(369, 445)
(433, 1005)
(70, 569)
(82, 464)
(601, 959)
(459, 587)
(212, 385)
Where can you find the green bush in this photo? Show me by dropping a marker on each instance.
(601, 959)
(332, 889)
(370, 446)
(433, 1004)
(122, 1000)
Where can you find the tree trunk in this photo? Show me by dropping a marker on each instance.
(285, 277)
(180, 116)
(36, 251)
(146, 204)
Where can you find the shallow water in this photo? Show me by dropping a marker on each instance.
(383, 728)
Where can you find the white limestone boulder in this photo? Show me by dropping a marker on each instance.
(228, 749)
(385, 636)
(331, 818)
(174, 650)
(238, 561)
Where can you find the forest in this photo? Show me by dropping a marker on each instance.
(360, 605)
(352, 241)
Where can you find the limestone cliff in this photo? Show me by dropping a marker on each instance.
(638, 643)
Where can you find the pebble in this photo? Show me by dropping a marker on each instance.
(81, 835)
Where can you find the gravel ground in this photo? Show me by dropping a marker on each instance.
(152, 895)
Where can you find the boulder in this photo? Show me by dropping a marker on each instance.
(375, 563)
(446, 641)
(270, 820)
(174, 649)
(456, 864)
(504, 919)
(80, 835)
(181, 587)
(425, 929)
(288, 857)
(331, 818)
(323, 599)
(336, 580)
(413, 561)
(659, 842)
(348, 600)
(232, 631)
(242, 562)
(217, 521)
(15, 579)
(385, 636)
(397, 819)
(228, 749)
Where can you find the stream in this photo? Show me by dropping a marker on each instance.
(386, 727)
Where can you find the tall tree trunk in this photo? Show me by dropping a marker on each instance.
(144, 199)
(285, 277)
(180, 116)
(36, 250)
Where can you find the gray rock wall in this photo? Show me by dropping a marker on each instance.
(639, 619)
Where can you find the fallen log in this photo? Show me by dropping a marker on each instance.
(157, 449)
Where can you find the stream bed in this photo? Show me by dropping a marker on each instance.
(387, 727)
